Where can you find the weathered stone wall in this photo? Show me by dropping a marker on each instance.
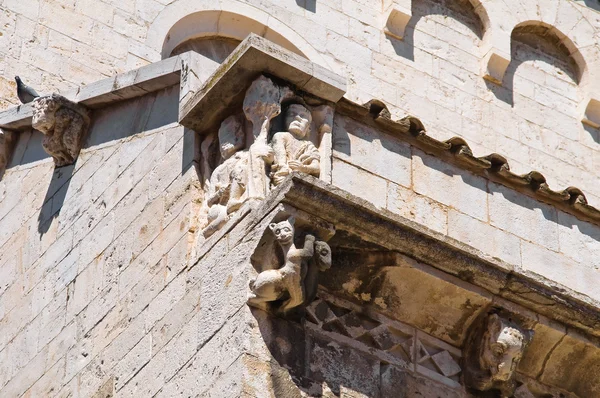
(435, 72)
(90, 253)
(527, 235)
(100, 292)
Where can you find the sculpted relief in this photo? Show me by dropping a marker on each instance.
(288, 267)
(274, 135)
(64, 124)
(492, 355)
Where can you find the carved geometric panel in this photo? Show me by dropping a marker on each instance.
(387, 339)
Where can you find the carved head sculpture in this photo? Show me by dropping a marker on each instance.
(322, 255)
(231, 136)
(283, 231)
(498, 348)
(44, 114)
(297, 120)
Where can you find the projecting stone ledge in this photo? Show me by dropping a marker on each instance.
(393, 290)
(225, 88)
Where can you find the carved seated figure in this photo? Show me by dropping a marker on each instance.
(493, 355)
(293, 152)
(227, 187)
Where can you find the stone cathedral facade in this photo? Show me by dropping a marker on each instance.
(308, 198)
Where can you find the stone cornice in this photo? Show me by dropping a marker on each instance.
(456, 150)
(254, 56)
(132, 84)
(395, 233)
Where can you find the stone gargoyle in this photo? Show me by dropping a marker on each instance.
(293, 279)
(492, 353)
(64, 124)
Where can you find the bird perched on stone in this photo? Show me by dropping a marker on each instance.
(25, 93)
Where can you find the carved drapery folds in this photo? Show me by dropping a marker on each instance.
(289, 258)
(258, 149)
(64, 124)
(492, 353)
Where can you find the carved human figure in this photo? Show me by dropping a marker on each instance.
(63, 123)
(275, 284)
(494, 354)
(227, 185)
(293, 152)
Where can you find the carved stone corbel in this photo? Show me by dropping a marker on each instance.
(64, 124)
(492, 353)
(290, 256)
(7, 143)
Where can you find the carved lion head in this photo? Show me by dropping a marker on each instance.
(44, 111)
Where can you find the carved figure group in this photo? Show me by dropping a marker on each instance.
(295, 280)
(248, 172)
(64, 123)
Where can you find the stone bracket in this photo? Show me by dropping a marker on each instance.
(224, 90)
(7, 143)
(64, 124)
(289, 258)
(494, 65)
(396, 19)
(592, 114)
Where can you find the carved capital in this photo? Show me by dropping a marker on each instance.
(288, 260)
(64, 124)
(492, 353)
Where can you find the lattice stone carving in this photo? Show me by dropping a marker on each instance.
(389, 340)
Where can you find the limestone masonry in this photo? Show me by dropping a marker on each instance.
(337, 198)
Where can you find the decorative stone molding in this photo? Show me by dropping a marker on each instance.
(492, 354)
(7, 142)
(288, 261)
(64, 123)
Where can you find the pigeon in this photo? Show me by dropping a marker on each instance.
(25, 93)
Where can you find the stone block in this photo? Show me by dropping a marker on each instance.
(491, 241)
(342, 370)
(418, 208)
(450, 185)
(523, 216)
(133, 361)
(579, 240)
(550, 267)
(399, 383)
(573, 365)
(356, 144)
(359, 182)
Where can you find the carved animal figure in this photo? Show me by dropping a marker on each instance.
(321, 261)
(275, 284)
(494, 354)
(293, 152)
(63, 123)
